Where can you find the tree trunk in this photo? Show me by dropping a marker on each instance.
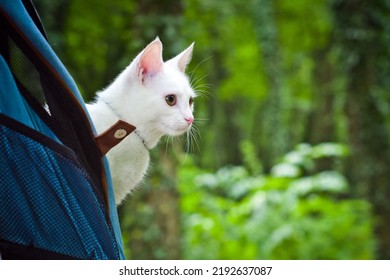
(275, 141)
(360, 25)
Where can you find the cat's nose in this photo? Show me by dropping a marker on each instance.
(189, 120)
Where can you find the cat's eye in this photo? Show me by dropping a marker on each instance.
(191, 101)
(170, 99)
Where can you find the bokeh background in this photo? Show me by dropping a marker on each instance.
(292, 151)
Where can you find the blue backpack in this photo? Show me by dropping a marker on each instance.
(56, 195)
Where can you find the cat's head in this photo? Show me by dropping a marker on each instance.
(157, 96)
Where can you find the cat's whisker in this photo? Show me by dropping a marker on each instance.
(199, 87)
(169, 139)
(197, 83)
(166, 146)
(191, 138)
(187, 148)
(173, 142)
(196, 80)
(200, 63)
(202, 89)
(201, 121)
(197, 134)
(204, 92)
(195, 141)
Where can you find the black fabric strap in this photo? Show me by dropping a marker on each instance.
(12, 251)
(34, 15)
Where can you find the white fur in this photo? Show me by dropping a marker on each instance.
(137, 96)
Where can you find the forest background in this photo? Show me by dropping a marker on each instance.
(292, 150)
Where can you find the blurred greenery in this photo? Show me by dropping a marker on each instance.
(292, 155)
(281, 215)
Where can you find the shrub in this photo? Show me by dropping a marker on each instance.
(295, 212)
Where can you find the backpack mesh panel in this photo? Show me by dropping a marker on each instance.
(51, 190)
(51, 100)
(49, 203)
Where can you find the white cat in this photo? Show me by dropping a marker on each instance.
(153, 96)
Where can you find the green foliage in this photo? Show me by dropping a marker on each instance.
(295, 212)
(90, 38)
(242, 62)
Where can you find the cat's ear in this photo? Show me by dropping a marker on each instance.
(150, 62)
(184, 58)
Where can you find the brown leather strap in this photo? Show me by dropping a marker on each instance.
(113, 136)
